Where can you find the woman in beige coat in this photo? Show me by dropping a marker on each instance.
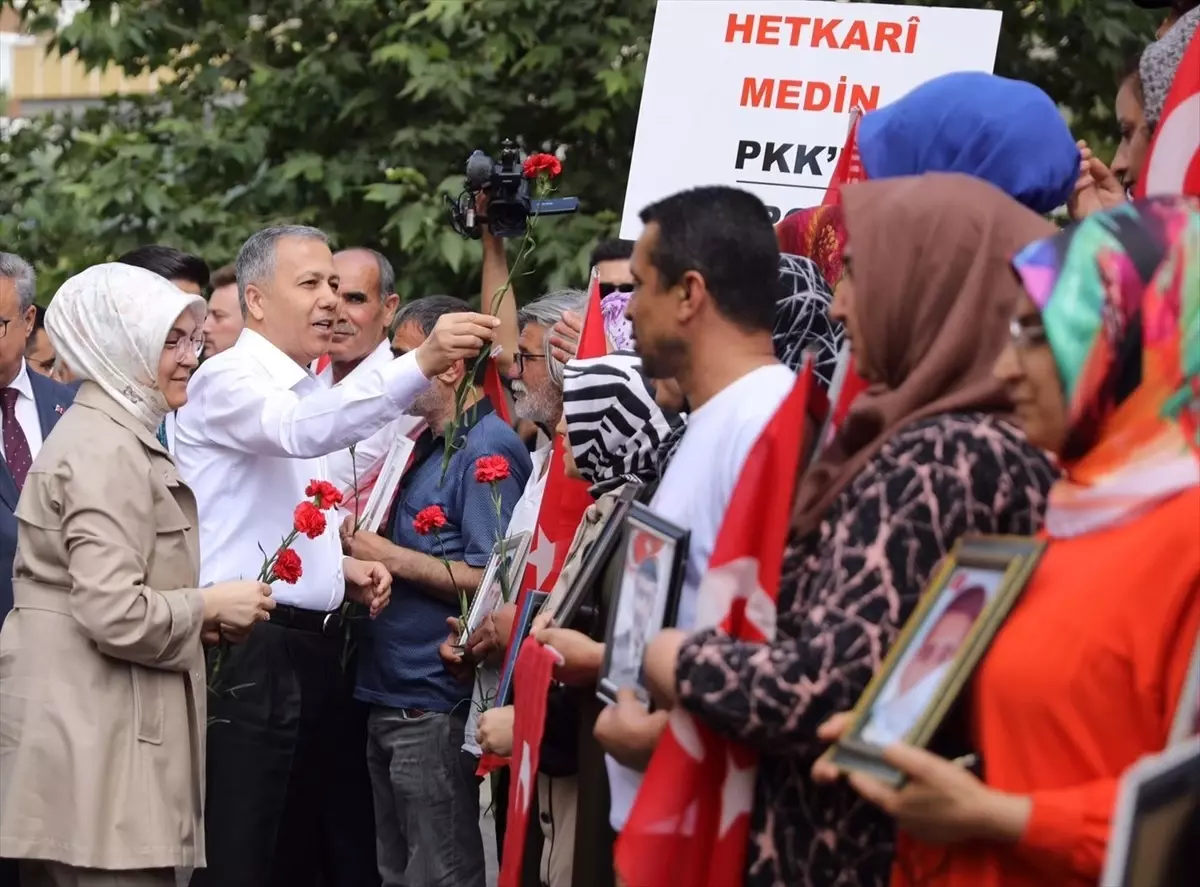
(102, 682)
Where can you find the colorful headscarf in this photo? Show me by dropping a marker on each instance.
(616, 325)
(818, 233)
(802, 322)
(1119, 294)
(614, 427)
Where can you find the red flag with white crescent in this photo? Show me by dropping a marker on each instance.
(849, 166)
(691, 819)
(1173, 164)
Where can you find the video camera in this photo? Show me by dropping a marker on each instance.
(509, 203)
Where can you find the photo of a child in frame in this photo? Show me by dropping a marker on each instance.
(640, 607)
(913, 685)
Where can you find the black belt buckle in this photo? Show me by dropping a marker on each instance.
(331, 624)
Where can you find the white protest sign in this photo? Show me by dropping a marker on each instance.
(758, 93)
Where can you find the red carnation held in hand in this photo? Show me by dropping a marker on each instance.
(309, 520)
(536, 164)
(326, 494)
(429, 519)
(491, 469)
(287, 566)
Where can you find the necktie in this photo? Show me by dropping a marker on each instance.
(16, 445)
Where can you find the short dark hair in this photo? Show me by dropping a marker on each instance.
(611, 250)
(226, 275)
(39, 320)
(168, 262)
(426, 312)
(725, 234)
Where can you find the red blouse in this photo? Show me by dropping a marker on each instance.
(1080, 683)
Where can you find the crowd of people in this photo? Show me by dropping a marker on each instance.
(183, 700)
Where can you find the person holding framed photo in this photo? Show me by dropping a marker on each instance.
(926, 456)
(615, 432)
(1083, 678)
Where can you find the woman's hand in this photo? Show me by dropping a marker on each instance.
(628, 731)
(831, 731)
(495, 731)
(564, 336)
(943, 802)
(582, 658)
(658, 665)
(239, 604)
(1097, 189)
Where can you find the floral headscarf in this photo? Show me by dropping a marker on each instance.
(616, 325)
(818, 233)
(110, 323)
(1119, 294)
(614, 427)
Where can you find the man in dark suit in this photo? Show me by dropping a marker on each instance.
(30, 405)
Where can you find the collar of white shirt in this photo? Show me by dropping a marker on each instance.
(21, 381)
(378, 357)
(278, 365)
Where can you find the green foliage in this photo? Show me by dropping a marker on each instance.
(357, 116)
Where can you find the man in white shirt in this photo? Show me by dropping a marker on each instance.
(367, 305)
(223, 323)
(706, 285)
(257, 428)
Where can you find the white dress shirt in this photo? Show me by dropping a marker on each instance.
(343, 467)
(26, 412)
(256, 429)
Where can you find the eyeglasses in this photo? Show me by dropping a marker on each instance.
(607, 289)
(522, 356)
(187, 345)
(1026, 335)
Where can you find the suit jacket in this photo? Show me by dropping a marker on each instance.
(102, 688)
(52, 399)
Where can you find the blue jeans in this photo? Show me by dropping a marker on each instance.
(426, 800)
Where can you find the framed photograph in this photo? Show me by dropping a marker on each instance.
(511, 552)
(936, 652)
(1155, 839)
(595, 560)
(645, 598)
(1187, 711)
(532, 605)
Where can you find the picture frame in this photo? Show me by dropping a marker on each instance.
(644, 597)
(490, 592)
(1156, 821)
(595, 559)
(530, 607)
(960, 612)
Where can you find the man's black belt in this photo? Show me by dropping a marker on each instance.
(327, 624)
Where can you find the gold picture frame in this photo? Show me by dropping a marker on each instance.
(965, 604)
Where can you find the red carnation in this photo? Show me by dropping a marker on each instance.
(429, 519)
(287, 566)
(326, 494)
(491, 469)
(309, 520)
(536, 164)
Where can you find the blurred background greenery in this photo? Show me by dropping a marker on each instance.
(357, 116)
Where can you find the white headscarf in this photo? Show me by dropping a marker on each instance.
(110, 323)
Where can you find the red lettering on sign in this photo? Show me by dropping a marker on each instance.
(807, 95)
(820, 33)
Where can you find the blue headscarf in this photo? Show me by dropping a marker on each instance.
(1006, 132)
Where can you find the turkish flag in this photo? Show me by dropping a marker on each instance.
(531, 687)
(1173, 164)
(849, 166)
(564, 500)
(323, 363)
(493, 387)
(690, 821)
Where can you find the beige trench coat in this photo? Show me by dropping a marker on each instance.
(102, 683)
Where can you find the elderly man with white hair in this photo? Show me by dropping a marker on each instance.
(257, 430)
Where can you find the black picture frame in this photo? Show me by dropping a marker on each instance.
(530, 607)
(1156, 821)
(967, 601)
(634, 612)
(595, 559)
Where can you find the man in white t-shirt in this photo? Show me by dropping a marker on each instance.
(706, 283)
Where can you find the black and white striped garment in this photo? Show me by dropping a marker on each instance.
(614, 427)
(802, 321)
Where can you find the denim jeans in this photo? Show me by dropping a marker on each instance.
(426, 800)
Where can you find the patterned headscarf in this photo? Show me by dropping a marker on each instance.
(1160, 61)
(1119, 294)
(110, 323)
(802, 320)
(818, 233)
(614, 427)
(616, 326)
